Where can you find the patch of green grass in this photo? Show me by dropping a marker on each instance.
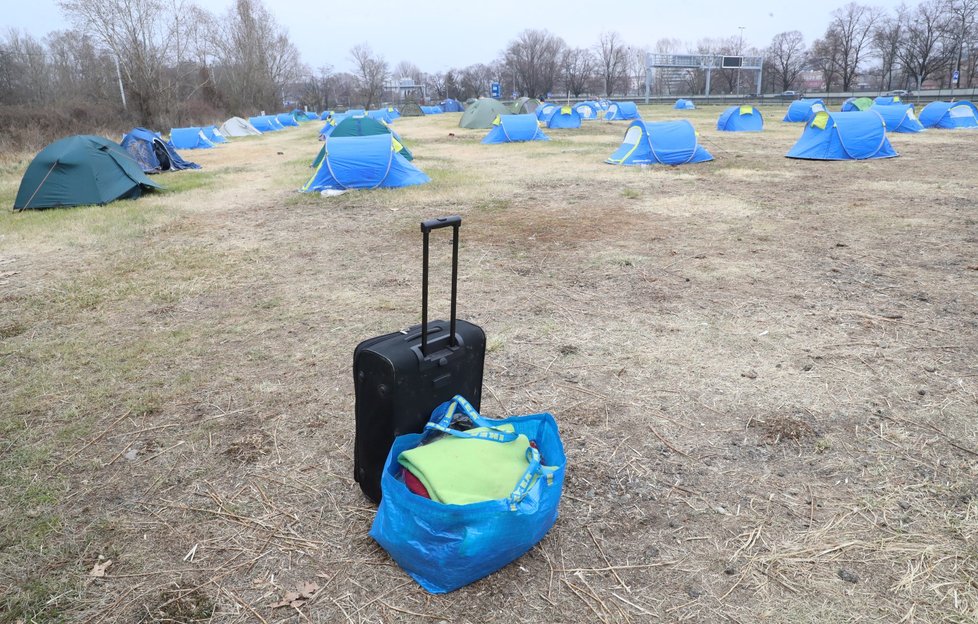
(181, 181)
(630, 193)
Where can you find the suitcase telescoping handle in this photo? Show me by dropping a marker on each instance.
(426, 227)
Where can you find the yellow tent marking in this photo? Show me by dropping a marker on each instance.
(565, 110)
(821, 119)
(746, 110)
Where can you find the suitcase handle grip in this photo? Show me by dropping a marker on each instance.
(440, 222)
(426, 227)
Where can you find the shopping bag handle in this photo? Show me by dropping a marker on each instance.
(442, 422)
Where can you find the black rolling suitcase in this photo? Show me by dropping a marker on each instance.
(400, 378)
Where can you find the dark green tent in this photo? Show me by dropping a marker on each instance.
(482, 113)
(411, 109)
(80, 170)
(363, 126)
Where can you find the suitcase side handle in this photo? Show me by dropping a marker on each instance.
(455, 222)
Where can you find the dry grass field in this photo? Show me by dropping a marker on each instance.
(765, 372)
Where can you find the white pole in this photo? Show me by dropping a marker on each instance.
(122, 91)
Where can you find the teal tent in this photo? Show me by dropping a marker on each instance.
(661, 142)
(80, 170)
(856, 135)
(515, 128)
(363, 162)
(361, 126)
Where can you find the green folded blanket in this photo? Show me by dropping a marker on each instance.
(459, 471)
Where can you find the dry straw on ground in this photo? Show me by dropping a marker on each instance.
(764, 371)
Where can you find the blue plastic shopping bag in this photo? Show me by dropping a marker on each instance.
(444, 547)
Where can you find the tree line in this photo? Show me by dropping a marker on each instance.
(179, 64)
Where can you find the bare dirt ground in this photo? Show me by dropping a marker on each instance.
(764, 371)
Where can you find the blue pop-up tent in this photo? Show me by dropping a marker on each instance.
(432, 110)
(213, 135)
(515, 128)
(265, 123)
(381, 114)
(153, 153)
(660, 142)
(682, 104)
(564, 117)
(544, 110)
(886, 100)
(286, 119)
(618, 111)
(801, 110)
(451, 105)
(949, 115)
(189, 138)
(856, 135)
(363, 162)
(898, 117)
(587, 110)
(741, 119)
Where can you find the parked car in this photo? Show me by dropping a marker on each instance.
(901, 93)
(792, 94)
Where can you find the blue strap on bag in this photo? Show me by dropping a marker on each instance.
(444, 547)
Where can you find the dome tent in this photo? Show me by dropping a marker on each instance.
(661, 142)
(564, 117)
(238, 127)
(525, 105)
(411, 109)
(80, 170)
(856, 104)
(189, 138)
(802, 110)
(364, 162)
(381, 114)
(152, 153)
(515, 129)
(682, 104)
(363, 126)
(481, 113)
(856, 135)
(621, 111)
(949, 115)
(741, 119)
(898, 117)
(432, 110)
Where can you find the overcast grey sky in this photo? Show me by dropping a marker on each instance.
(461, 33)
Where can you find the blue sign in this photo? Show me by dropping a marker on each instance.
(494, 89)
(955, 76)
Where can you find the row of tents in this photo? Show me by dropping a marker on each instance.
(899, 117)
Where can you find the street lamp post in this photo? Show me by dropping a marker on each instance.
(740, 52)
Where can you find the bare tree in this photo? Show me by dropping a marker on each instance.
(141, 34)
(852, 25)
(579, 67)
(254, 58)
(613, 58)
(886, 44)
(962, 21)
(922, 50)
(786, 56)
(824, 56)
(371, 72)
(533, 59)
